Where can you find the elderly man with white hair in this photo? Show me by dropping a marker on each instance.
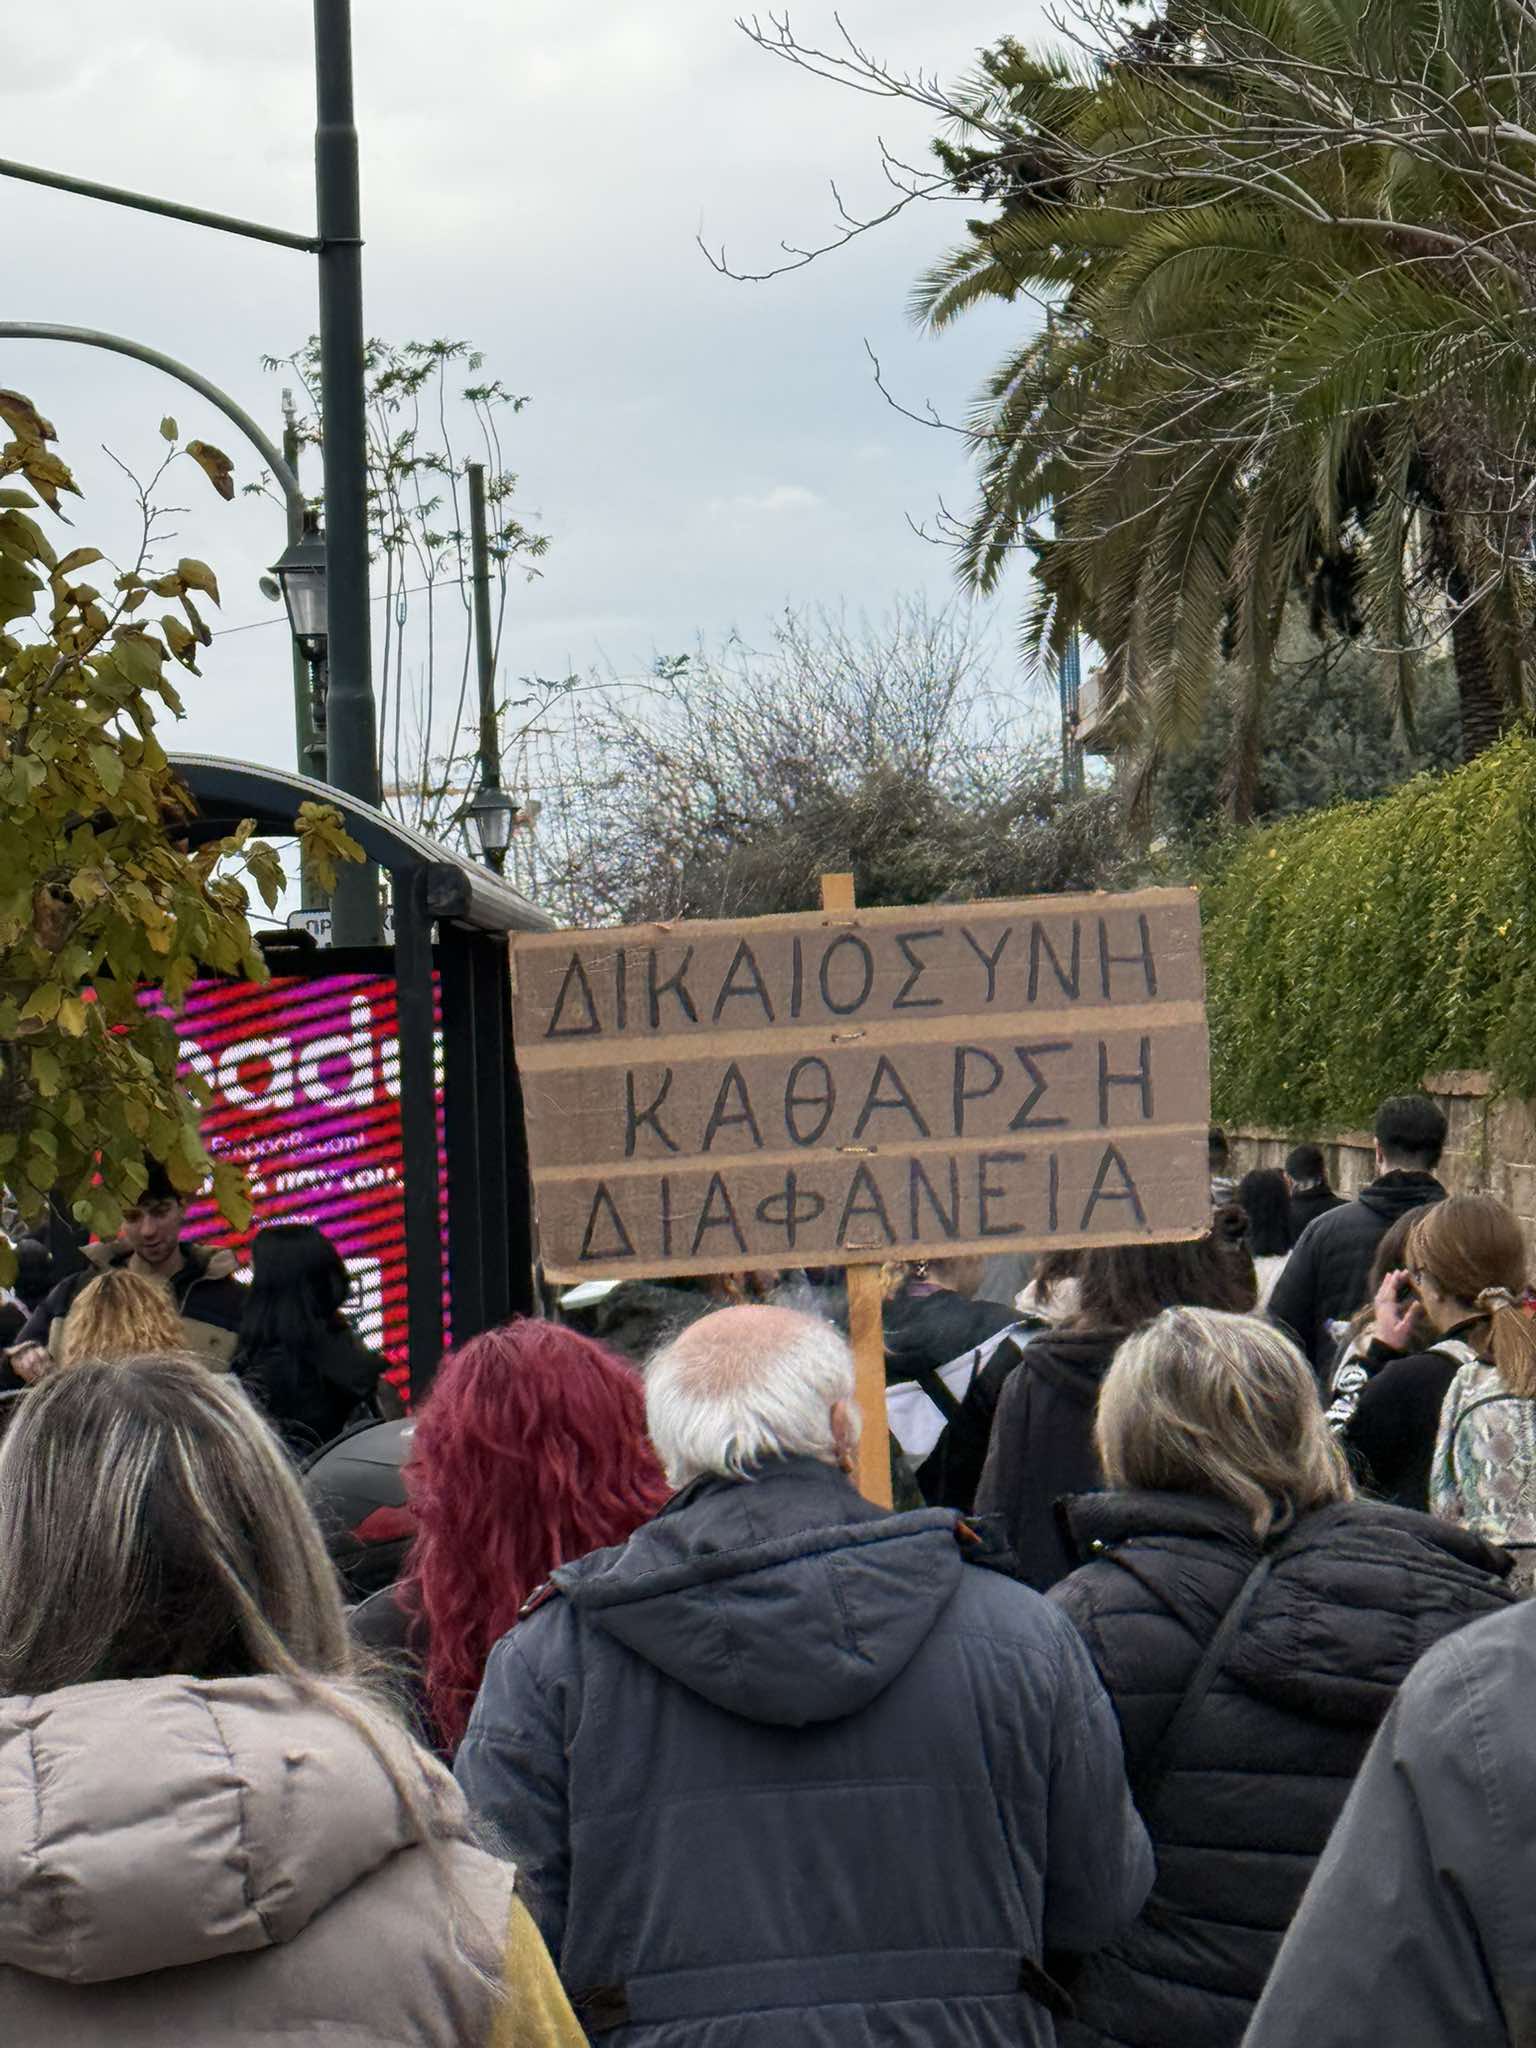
(788, 1768)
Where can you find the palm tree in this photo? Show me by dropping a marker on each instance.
(1288, 357)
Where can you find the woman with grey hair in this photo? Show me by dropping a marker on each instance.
(208, 1830)
(1251, 1621)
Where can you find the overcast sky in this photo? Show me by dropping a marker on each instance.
(534, 175)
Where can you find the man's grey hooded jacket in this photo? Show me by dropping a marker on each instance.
(788, 1769)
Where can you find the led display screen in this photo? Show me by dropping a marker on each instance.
(305, 1080)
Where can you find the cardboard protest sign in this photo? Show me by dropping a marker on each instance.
(845, 1086)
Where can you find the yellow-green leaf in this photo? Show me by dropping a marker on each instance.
(88, 886)
(197, 575)
(168, 429)
(139, 656)
(231, 1193)
(181, 643)
(46, 472)
(196, 621)
(108, 763)
(72, 1014)
(77, 558)
(43, 1003)
(215, 465)
(23, 418)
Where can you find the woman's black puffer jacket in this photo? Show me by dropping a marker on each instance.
(1240, 1813)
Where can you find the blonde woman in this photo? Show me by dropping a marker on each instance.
(208, 1832)
(1251, 1622)
(120, 1314)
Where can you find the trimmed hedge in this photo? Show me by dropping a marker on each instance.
(1354, 951)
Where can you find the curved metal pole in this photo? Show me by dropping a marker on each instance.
(91, 337)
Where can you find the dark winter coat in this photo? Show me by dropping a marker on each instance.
(311, 1400)
(1042, 1446)
(1241, 1810)
(927, 1328)
(1307, 1204)
(1390, 1438)
(398, 1641)
(786, 1771)
(951, 1473)
(1420, 1925)
(1328, 1275)
(209, 1299)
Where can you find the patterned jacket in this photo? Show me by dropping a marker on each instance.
(1484, 1474)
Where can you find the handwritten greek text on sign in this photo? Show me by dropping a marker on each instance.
(841, 1086)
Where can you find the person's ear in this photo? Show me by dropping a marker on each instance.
(845, 1433)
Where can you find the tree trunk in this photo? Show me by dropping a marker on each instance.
(1484, 712)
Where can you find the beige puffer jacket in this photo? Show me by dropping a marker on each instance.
(221, 1862)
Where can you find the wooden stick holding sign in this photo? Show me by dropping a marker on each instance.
(866, 1318)
(850, 1086)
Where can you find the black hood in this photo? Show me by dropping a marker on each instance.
(1398, 1192)
(1073, 1360)
(784, 1598)
(1100, 1521)
(1357, 1592)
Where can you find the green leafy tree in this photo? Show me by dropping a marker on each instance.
(1329, 738)
(1255, 382)
(1353, 951)
(102, 894)
(1287, 255)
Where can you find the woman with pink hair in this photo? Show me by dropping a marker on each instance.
(530, 1452)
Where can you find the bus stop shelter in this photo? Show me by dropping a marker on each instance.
(449, 958)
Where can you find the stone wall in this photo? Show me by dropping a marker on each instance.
(1491, 1146)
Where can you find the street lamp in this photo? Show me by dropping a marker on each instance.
(491, 812)
(492, 815)
(300, 573)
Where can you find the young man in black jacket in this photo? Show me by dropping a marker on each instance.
(1306, 1173)
(200, 1278)
(1328, 1275)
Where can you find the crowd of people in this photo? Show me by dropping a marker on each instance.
(1176, 1704)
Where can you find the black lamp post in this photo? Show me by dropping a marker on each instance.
(300, 573)
(492, 815)
(301, 576)
(490, 811)
(352, 750)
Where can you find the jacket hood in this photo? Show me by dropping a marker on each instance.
(147, 1824)
(204, 1262)
(1356, 1594)
(784, 1597)
(1100, 1521)
(1075, 1361)
(1396, 1193)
